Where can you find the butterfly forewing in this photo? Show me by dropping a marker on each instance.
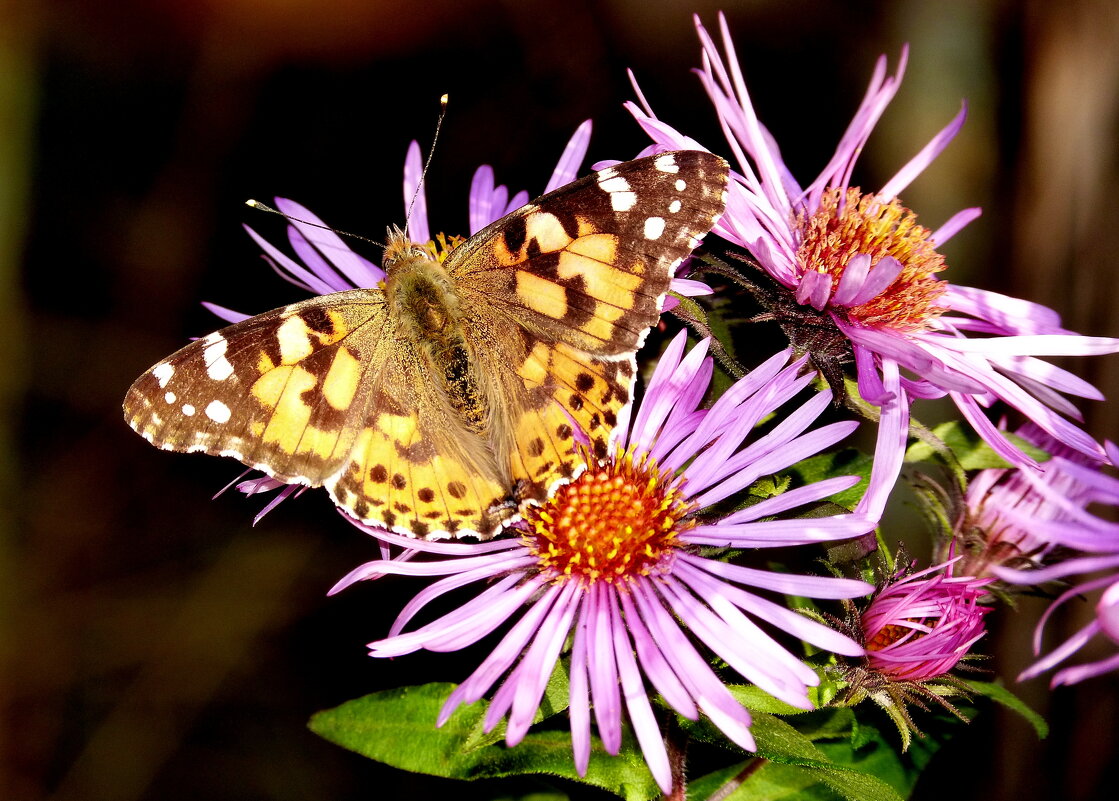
(589, 263)
(549, 306)
(274, 391)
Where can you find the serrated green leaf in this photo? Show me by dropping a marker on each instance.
(771, 782)
(969, 448)
(780, 741)
(858, 786)
(397, 727)
(999, 694)
(832, 723)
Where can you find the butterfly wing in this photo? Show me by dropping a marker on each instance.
(316, 393)
(583, 272)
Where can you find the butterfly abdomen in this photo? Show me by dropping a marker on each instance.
(429, 316)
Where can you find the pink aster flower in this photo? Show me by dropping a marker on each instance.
(918, 627)
(614, 560)
(1091, 547)
(861, 260)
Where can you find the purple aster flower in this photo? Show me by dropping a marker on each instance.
(614, 559)
(863, 262)
(1091, 547)
(918, 627)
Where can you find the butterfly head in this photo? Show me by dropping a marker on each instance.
(401, 248)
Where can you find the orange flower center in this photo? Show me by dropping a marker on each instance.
(888, 635)
(615, 522)
(868, 224)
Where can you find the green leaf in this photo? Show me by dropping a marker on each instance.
(758, 700)
(397, 727)
(770, 782)
(846, 462)
(778, 782)
(971, 450)
(999, 694)
(556, 699)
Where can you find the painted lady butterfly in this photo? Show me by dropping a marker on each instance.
(438, 401)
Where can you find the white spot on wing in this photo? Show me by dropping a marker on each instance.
(217, 366)
(667, 163)
(163, 373)
(681, 184)
(218, 412)
(622, 198)
(188, 410)
(674, 206)
(170, 397)
(612, 183)
(654, 227)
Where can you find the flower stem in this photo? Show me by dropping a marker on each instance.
(676, 742)
(740, 778)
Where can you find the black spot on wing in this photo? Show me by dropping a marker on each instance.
(317, 319)
(515, 233)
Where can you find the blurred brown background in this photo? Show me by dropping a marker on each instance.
(154, 645)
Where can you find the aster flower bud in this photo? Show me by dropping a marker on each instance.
(916, 629)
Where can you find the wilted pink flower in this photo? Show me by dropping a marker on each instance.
(614, 560)
(1094, 545)
(1002, 522)
(861, 260)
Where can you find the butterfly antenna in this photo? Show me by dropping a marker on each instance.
(427, 162)
(256, 204)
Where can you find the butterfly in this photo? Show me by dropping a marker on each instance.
(439, 401)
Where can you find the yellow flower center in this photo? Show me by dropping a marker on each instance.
(615, 522)
(868, 224)
(444, 244)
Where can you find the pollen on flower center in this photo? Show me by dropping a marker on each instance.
(878, 228)
(616, 521)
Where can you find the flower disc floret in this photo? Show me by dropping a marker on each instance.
(616, 521)
(865, 231)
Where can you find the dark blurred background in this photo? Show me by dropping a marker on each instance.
(154, 645)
